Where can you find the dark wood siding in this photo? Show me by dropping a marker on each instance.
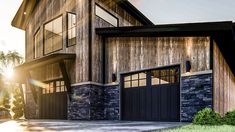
(129, 54)
(224, 83)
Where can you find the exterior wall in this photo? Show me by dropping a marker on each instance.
(49, 9)
(111, 102)
(46, 10)
(124, 19)
(31, 107)
(224, 83)
(196, 94)
(87, 103)
(78, 70)
(125, 54)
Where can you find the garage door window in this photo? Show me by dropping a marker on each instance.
(165, 76)
(54, 87)
(135, 80)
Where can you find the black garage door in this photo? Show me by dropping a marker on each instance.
(53, 103)
(152, 95)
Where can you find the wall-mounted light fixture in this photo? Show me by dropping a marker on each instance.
(188, 66)
(114, 77)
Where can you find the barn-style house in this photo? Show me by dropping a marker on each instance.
(104, 60)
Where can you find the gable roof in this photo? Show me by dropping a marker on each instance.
(26, 8)
(222, 32)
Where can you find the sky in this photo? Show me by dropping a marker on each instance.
(158, 11)
(10, 38)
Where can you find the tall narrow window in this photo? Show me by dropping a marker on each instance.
(100, 12)
(37, 44)
(53, 35)
(71, 29)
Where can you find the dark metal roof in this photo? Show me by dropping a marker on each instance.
(126, 5)
(221, 32)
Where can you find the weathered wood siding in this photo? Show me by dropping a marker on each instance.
(45, 11)
(124, 19)
(125, 54)
(224, 83)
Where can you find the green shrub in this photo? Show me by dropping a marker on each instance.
(207, 117)
(229, 118)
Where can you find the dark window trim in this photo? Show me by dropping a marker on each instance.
(67, 25)
(44, 54)
(34, 57)
(96, 4)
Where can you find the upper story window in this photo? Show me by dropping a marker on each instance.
(105, 15)
(53, 38)
(71, 31)
(37, 44)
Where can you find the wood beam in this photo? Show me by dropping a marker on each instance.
(31, 87)
(65, 77)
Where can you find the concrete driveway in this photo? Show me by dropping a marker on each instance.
(80, 126)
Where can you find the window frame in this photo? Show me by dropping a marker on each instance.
(54, 86)
(61, 15)
(34, 44)
(96, 4)
(67, 28)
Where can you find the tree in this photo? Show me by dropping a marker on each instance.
(7, 62)
(18, 107)
(6, 101)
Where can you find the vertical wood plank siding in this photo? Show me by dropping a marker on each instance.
(124, 18)
(224, 83)
(49, 9)
(44, 12)
(128, 54)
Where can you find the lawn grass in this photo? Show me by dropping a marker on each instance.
(198, 128)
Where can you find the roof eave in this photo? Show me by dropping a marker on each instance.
(23, 14)
(125, 4)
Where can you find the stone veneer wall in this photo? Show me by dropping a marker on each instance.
(111, 102)
(196, 94)
(87, 103)
(31, 108)
(92, 102)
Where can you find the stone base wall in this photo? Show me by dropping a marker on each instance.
(87, 103)
(111, 102)
(196, 94)
(31, 109)
(91, 102)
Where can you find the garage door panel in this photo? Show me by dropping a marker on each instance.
(54, 101)
(156, 97)
(135, 103)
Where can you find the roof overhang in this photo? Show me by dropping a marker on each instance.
(50, 59)
(130, 8)
(201, 29)
(221, 32)
(23, 14)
